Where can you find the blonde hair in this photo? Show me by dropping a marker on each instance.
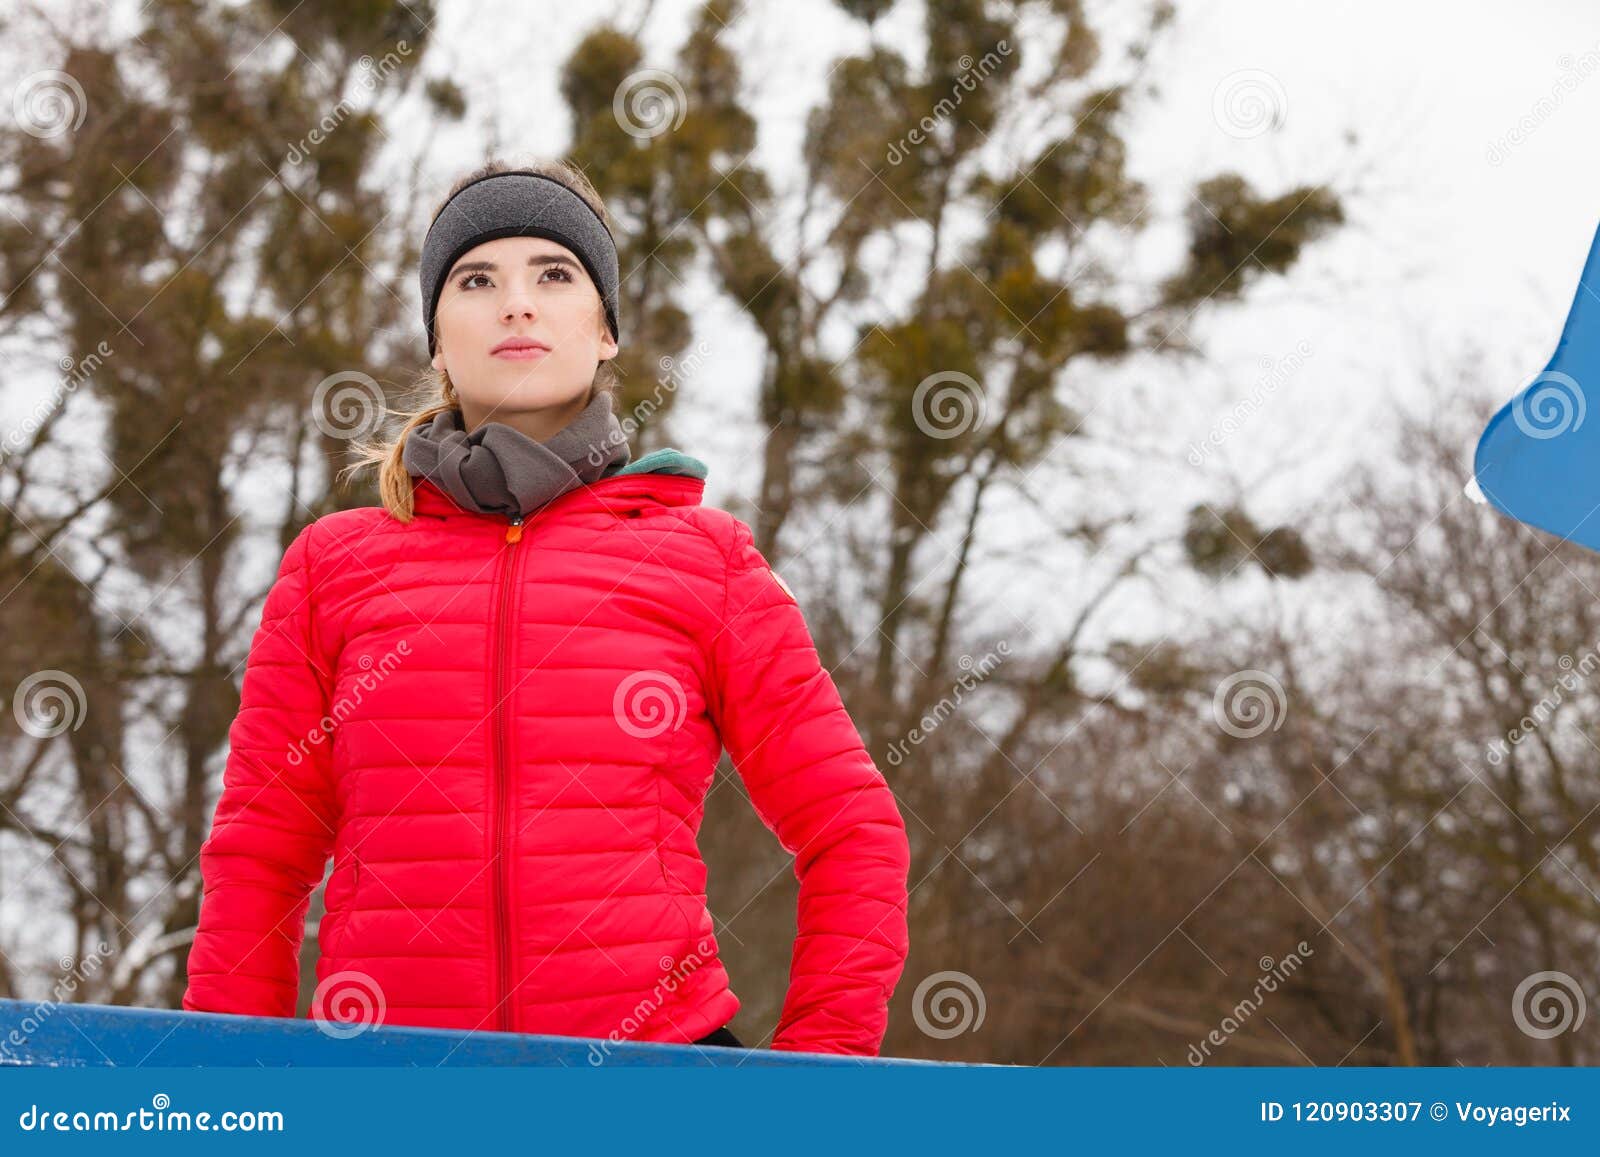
(435, 392)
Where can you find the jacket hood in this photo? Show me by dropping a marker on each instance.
(665, 461)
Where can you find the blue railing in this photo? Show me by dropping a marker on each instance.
(98, 1035)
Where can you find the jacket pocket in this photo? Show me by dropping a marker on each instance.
(688, 904)
(661, 835)
(339, 903)
(353, 903)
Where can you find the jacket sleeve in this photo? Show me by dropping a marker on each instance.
(816, 788)
(274, 824)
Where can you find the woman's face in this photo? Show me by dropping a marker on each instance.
(535, 294)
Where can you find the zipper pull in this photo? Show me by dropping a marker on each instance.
(514, 531)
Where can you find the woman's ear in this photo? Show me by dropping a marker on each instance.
(438, 360)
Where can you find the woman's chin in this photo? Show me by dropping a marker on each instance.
(528, 388)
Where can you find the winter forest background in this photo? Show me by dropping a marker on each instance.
(1102, 376)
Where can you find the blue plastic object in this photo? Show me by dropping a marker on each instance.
(98, 1035)
(1538, 459)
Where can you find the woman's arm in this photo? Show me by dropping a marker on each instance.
(814, 785)
(274, 825)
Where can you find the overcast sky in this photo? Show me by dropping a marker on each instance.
(1471, 208)
(1470, 181)
(1460, 135)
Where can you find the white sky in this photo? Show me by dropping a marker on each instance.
(1445, 251)
(1444, 247)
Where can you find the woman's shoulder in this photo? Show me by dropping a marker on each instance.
(342, 528)
(725, 530)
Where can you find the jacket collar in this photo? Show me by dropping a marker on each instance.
(619, 493)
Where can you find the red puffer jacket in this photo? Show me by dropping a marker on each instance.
(504, 736)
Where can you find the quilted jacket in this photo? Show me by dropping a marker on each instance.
(503, 731)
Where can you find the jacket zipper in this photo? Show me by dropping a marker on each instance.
(502, 915)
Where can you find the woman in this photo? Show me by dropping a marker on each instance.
(498, 701)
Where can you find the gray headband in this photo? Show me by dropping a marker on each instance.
(517, 204)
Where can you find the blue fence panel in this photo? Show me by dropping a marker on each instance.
(97, 1035)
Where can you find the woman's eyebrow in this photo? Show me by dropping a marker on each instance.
(491, 267)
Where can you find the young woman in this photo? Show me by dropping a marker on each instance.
(498, 700)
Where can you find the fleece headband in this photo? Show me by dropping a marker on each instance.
(517, 204)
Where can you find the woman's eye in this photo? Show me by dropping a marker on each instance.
(467, 281)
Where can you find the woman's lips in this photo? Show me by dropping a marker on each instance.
(525, 353)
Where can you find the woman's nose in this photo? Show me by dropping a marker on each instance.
(519, 304)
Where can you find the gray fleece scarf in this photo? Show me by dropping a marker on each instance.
(500, 470)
